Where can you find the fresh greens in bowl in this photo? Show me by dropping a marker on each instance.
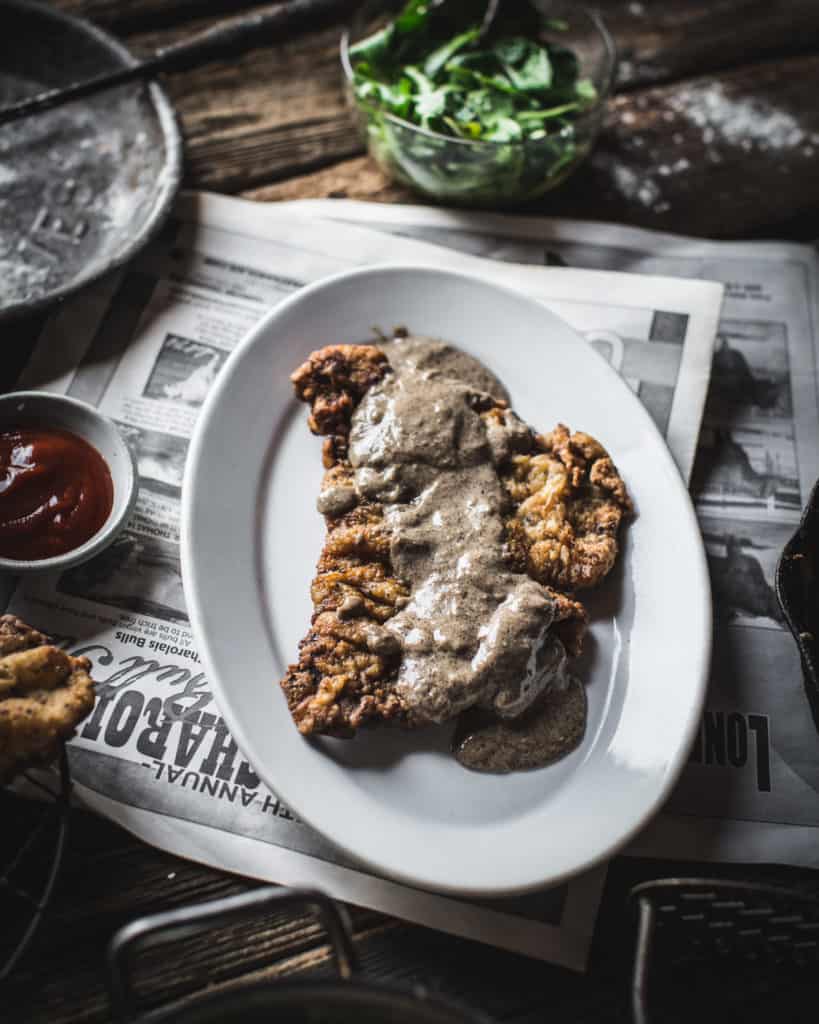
(473, 115)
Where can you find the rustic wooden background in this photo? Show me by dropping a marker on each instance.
(713, 131)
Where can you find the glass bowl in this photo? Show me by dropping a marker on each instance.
(480, 172)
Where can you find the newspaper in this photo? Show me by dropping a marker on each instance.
(750, 792)
(144, 347)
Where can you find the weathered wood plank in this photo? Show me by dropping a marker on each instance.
(267, 114)
(657, 40)
(279, 112)
(718, 156)
(665, 40)
(721, 156)
(747, 137)
(108, 879)
(151, 14)
(111, 878)
(358, 178)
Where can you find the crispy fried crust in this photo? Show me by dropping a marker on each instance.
(569, 502)
(15, 635)
(339, 682)
(44, 693)
(570, 622)
(566, 503)
(333, 381)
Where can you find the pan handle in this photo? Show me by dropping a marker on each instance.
(188, 920)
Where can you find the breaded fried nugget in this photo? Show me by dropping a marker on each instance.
(44, 693)
(566, 502)
(15, 635)
(569, 502)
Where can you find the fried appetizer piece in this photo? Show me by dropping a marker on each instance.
(15, 635)
(566, 502)
(569, 503)
(44, 693)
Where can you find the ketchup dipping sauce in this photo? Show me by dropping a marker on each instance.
(56, 492)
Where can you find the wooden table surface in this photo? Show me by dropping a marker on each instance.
(713, 131)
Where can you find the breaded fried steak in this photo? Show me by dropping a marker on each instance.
(44, 693)
(456, 538)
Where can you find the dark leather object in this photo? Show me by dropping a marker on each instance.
(797, 590)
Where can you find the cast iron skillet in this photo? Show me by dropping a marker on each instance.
(86, 185)
(341, 1000)
(797, 590)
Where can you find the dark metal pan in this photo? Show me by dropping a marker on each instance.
(86, 185)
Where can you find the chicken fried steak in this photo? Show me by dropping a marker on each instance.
(456, 538)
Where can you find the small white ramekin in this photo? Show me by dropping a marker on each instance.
(42, 409)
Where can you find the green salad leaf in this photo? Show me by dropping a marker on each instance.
(443, 54)
(509, 87)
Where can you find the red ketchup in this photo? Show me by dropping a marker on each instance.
(55, 492)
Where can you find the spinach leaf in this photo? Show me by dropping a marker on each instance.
(414, 16)
(429, 99)
(396, 98)
(584, 90)
(375, 47)
(468, 78)
(438, 58)
(511, 51)
(526, 64)
(502, 129)
(542, 115)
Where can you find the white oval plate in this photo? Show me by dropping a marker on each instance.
(251, 535)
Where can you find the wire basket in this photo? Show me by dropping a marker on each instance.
(703, 943)
(32, 843)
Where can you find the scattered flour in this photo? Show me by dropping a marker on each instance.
(635, 186)
(740, 122)
(626, 180)
(649, 193)
(737, 121)
(645, 188)
(29, 282)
